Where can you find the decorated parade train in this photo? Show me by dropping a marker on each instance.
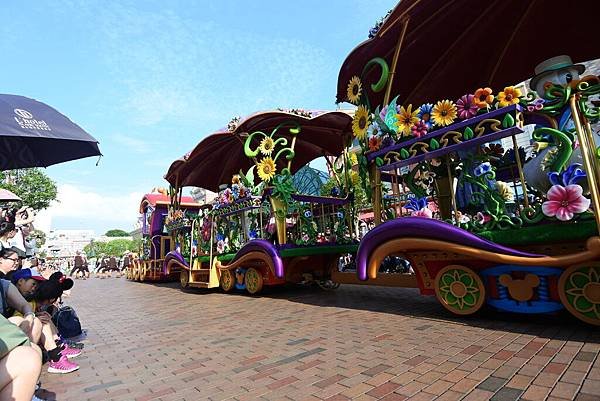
(488, 197)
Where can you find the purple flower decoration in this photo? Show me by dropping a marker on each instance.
(570, 176)
(537, 104)
(465, 107)
(383, 112)
(387, 141)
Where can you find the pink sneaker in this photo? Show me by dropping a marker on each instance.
(70, 352)
(62, 366)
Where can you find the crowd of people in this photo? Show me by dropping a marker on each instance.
(35, 328)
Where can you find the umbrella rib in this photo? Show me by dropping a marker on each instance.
(509, 41)
(383, 32)
(448, 50)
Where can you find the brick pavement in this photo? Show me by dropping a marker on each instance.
(155, 342)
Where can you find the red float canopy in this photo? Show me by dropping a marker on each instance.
(154, 199)
(453, 47)
(221, 155)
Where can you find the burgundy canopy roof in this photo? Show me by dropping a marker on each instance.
(453, 47)
(221, 155)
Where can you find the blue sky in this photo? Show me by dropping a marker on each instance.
(149, 79)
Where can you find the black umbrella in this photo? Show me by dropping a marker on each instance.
(33, 134)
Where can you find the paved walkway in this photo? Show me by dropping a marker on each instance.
(155, 342)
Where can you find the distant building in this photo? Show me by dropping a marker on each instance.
(65, 243)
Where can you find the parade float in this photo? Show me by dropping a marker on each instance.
(491, 195)
(260, 231)
(166, 223)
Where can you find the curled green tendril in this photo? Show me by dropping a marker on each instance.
(410, 182)
(527, 99)
(383, 78)
(565, 146)
(556, 97)
(532, 215)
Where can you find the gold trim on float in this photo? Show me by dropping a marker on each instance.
(251, 256)
(420, 244)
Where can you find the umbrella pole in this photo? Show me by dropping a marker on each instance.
(388, 90)
(375, 173)
(588, 158)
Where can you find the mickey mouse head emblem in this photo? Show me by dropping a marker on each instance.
(520, 290)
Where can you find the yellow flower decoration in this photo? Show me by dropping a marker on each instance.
(406, 119)
(354, 90)
(354, 177)
(505, 191)
(266, 169)
(353, 159)
(266, 146)
(360, 123)
(443, 113)
(509, 96)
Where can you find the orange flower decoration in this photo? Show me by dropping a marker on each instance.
(374, 143)
(509, 96)
(483, 98)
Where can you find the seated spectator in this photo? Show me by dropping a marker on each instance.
(20, 364)
(43, 296)
(9, 260)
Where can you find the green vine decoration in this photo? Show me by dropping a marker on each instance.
(380, 84)
(565, 146)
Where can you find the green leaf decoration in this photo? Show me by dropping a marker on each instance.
(434, 144)
(379, 162)
(404, 154)
(468, 134)
(508, 121)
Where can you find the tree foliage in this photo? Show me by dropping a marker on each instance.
(116, 247)
(117, 233)
(40, 237)
(32, 185)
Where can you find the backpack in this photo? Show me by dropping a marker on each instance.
(67, 322)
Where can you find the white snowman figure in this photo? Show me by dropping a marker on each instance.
(558, 70)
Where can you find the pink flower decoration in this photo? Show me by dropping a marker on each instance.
(465, 107)
(564, 202)
(422, 213)
(483, 218)
(419, 129)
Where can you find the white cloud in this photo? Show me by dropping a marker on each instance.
(134, 144)
(94, 209)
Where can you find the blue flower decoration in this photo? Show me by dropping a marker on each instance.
(335, 191)
(415, 204)
(307, 214)
(425, 114)
(235, 189)
(252, 234)
(482, 169)
(220, 237)
(373, 129)
(570, 176)
(340, 215)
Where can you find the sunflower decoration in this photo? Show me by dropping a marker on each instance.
(509, 96)
(406, 119)
(266, 146)
(354, 90)
(266, 169)
(360, 123)
(444, 113)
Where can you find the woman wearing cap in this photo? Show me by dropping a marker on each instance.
(46, 293)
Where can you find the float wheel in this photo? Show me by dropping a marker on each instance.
(142, 271)
(184, 278)
(136, 271)
(227, 280)
(253, 281)
(328, 285)
(459, 289)
(579, 291)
